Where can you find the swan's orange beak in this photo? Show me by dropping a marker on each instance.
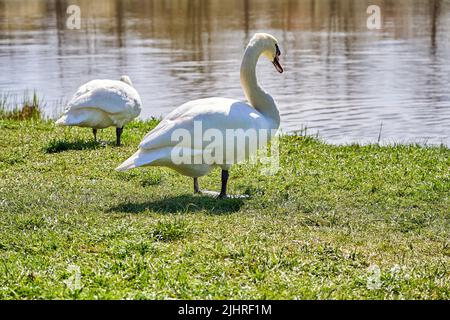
(277, 64)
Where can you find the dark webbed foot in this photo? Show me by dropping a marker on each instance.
(223, 191)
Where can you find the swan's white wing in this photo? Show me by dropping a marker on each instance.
(107, 95)
(213, 113)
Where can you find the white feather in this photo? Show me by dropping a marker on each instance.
(102, 103)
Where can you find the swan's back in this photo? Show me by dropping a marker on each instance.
(101, 104)
(110, 96)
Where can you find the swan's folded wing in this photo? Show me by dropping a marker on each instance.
(112, 98)
(168, 134)
(176, 122)
(179, 127)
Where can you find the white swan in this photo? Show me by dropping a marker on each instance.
(160, 145)
(100, 104)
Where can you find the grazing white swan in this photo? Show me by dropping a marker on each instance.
(161, 145)
(100, 104)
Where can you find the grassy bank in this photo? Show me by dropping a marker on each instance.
(25, 107)
(322, 227)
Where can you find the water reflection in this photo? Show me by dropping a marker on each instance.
(341, 79)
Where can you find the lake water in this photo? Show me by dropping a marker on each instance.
(342, 80)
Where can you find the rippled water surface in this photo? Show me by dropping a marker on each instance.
(342, 80)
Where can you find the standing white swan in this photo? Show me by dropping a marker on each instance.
(161, 146)
(100, 104)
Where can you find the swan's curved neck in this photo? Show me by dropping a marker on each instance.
(257, 97)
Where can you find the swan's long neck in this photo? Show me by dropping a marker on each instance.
(257, 97)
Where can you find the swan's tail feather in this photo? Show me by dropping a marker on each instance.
(72, 119)
(130, 163)
(62, 121)
(139, 159)
(145, 158)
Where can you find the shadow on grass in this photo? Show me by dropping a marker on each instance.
(184, 204)
(56, 146)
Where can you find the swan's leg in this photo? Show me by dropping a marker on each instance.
(118, 135)
(94, 131)
(196, 188)
(223, 191)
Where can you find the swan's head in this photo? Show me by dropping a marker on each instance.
(268, 45)
(126, 79)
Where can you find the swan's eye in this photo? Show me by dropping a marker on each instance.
(277, 49)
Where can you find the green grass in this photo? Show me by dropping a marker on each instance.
(314, 230)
